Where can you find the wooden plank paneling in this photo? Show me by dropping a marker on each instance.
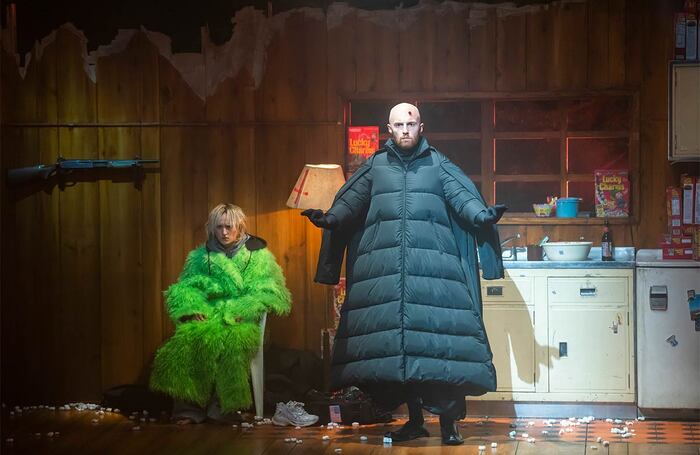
(569, 62)
(617, 32)
(539, 48)
(293, 77)
(511, 59)
(450, 49)
(416, 37)
(342, 64)
(79, 306)
(377, 53)
(283, 228)
(482, 48)
(598, 44)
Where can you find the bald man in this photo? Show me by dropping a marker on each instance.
(411, 330)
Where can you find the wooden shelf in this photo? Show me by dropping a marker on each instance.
(526, 218)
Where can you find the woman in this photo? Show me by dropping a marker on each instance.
(225, 287)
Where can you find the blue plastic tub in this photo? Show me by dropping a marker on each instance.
(567, 207)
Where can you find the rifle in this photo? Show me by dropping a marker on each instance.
(64, 167)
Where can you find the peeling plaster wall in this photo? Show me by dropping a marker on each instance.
(253, 31)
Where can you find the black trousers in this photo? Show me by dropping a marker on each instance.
(445, 401)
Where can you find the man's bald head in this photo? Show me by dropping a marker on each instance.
(404, 125)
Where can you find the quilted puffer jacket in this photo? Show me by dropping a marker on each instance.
(412, 313)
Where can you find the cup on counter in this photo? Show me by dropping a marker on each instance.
(534, 253)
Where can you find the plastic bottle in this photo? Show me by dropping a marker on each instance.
(606, 243)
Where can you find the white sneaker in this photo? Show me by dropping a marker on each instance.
(293, 413)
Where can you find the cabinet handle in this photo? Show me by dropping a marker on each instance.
(494, 290)
(563, 349)
(588, 292)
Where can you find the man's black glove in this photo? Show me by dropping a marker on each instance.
(319, 219)
(491, 215)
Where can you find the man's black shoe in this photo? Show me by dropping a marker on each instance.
(450, 433)
(408, 432)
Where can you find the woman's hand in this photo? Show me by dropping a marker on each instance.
(193, 317)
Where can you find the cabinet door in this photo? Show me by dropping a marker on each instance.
(512, 338)
(590, 349)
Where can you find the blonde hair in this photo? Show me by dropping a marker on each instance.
(230, 214)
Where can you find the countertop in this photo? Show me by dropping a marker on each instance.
(624, 259)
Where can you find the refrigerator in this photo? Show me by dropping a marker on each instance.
(668, 344)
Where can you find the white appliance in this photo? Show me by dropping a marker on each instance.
(668, 346)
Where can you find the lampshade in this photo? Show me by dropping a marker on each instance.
(316, 187)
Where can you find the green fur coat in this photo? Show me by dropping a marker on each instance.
(214, 355)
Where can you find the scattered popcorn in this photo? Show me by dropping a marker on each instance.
(258, 418)
(338, 450)
(363, 438)
(117, 410)
(325, 437)
(561, 432)
(323, 426)
(531, 440)
(545, 432)
(530, 424)
(594, 447)
(617, 421)
(626, 435)
(641, 418)
(95, 421)
(609, 420)
(482, 448)
(569, 430)
(234, 426)
(606, 443)
(144, 412)
(511, 434)
(355, 424)
(387, 440)
(297, 428)
(50, 434)
(494, 445)
(525, 435)
(599, 440)
(136, 428)
(38, 435)
(299, 441)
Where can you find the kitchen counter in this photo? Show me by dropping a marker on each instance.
(589, 264)
(624, 259)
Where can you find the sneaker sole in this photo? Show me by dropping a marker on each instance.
(283, 422)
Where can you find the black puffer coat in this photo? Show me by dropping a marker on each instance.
(413, 309)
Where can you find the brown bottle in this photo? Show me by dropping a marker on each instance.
(606, 244)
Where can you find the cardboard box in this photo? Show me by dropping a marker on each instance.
(669, 252)
(691, 39)
(688, 204)
(677, 241)
(679, 23)
(673, 207)
(696, 218)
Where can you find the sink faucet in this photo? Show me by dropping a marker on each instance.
(513, 252)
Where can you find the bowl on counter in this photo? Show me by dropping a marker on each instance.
(567, 251)
(542, 210)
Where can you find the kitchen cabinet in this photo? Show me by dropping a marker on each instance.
(684, 111)
(561, 334)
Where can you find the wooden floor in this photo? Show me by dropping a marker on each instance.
(33, 431)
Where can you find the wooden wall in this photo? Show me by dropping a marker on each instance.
(83, 268)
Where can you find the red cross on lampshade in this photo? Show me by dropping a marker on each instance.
(316, 187)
